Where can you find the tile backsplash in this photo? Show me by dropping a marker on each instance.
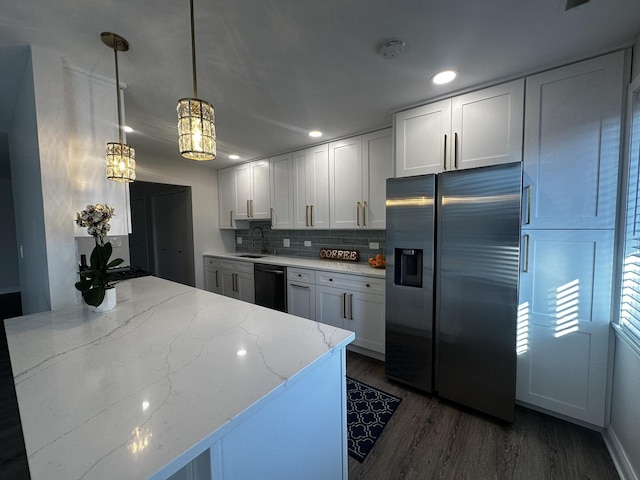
(274, 241)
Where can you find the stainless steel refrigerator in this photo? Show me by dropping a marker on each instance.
(452, 248)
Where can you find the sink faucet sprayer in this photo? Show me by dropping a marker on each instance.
(263, 249)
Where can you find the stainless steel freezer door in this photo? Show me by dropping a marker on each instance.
(409, 280)
(477, 287)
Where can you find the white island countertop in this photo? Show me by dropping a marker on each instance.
(136, 392)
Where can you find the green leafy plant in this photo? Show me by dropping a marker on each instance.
(94, 280)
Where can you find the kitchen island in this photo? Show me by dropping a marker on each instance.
(179, 383)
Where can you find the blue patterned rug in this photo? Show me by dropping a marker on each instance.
(368, 411)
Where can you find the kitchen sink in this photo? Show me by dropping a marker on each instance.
(250, 255)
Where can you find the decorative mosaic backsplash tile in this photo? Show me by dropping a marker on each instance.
(274, 241)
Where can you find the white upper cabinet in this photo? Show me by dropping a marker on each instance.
(358, 169)
(227, 198)
(422, 139)
(486, 126)
(377, 152)
(345, 183)
(260, 199)
(311, 188)
(244, 192)
(473, 130)
(572, 145)
(281, 172)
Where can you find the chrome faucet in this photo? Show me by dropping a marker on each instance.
(263, 248)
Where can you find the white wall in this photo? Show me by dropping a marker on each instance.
(57, 172)
(27, 197)
(203, 180)
(623, 433)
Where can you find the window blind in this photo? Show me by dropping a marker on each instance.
(630, 299)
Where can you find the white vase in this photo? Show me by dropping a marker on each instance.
(108, 303)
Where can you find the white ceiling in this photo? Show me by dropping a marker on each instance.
(276, 69)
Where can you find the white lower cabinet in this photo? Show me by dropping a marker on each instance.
(563, 321)
(355, 303)
(301, 293)
(231, 278)
(212, 275)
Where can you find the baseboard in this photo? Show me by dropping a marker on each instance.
(366, 351)
(618, 455)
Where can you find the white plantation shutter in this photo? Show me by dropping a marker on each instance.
(630, 299)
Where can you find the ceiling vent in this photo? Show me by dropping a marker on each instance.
(391, 48)
(574, 3)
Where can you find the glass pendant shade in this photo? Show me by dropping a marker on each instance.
(121, 162)
(121, 158)
(196, 129)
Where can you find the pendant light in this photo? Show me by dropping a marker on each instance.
(121, 158)
(196, 120)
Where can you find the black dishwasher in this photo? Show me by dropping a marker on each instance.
(271, 286)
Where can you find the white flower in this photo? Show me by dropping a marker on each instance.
(96, 219)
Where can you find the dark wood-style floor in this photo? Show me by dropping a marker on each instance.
(429, 438)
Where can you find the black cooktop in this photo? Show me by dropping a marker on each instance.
(125, 273)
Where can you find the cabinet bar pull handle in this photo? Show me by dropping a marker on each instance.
(306, 217)
(344, 305)
(351, 306)
(528, 220)
(444, 158)
(231, 218)
(364, 214)
(299, 286)
(358, 213)
(312, 215)
(251, 205)
(271, 216)
(526, 254)
(455, 150)
(217, 284)
(248, 211)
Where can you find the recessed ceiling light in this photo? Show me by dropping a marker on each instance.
(234, 157)
(444, 76)
(315, 133)
(128, 129)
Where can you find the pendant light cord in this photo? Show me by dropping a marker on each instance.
(115, 51)
(193, 52)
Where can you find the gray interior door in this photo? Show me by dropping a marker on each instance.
(172, 236)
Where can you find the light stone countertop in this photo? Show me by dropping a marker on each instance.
(354, 268)
(124, 393)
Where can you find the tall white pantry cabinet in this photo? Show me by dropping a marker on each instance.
(572, 147)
